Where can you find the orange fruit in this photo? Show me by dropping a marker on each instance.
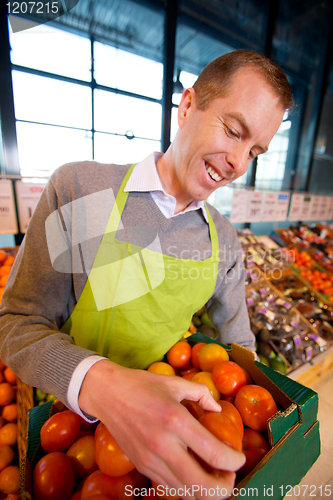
(3, 281)
(10, 479)
(3, 255)
(10, 376)
(5, 270)
(9, 261)
(210, 355)
(162, 368)
(6, 455)
(8, 434)
(7, 393)
(2, 365)
(9, 412)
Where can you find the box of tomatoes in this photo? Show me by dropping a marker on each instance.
(291, 432)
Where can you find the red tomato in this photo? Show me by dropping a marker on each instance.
(118, 488)
(179, 356)
(255, 448)
(230, 411)
(53, 477)
(195, 354)
(76, 496)
(256, 405)
(222, 428)
(228, 377)
(108, 455)
(59, 431)
(82, 457)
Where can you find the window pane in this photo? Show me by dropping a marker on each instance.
(271, 165)
(46, 100)
(120, 150)
(117, 114)
(53, 50)
(43, 148)
(122, 70)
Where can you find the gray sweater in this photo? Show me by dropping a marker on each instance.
(42, 290)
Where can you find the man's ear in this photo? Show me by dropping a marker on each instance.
(186, 106)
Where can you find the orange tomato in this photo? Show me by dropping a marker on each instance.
(210, 355)
(255, 448)
(82, 457)
(108, 455)
(222, 428)
(59, 432)
(162, 368)
(179, 356)
(195, 353)
(115, 487)
(206, 378)
(189, 373)
(229, 377)
(256, 405)
(233, 414)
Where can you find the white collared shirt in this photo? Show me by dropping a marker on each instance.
(144, 178)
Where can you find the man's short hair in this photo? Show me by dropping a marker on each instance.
(216, 78)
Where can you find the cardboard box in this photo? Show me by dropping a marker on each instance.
(293, 432)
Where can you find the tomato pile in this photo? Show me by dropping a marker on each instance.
(9, 470)
(246, 407)
(83, 460)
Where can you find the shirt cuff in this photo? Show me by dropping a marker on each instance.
(75, 384)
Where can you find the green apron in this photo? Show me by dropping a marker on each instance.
(133, 309)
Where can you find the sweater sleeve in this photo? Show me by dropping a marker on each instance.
(36, 302)
(227, 306)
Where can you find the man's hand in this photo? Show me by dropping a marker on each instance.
(143, 413)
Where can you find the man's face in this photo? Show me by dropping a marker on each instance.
(215, 146)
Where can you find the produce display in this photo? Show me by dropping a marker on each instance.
(7, 257)
(284, 339)
(9, 467)
(78, 460)
(257, 255)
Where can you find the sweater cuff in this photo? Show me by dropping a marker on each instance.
(75, 384)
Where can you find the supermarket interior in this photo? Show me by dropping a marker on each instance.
(102, 80)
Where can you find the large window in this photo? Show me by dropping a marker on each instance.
(68, 109)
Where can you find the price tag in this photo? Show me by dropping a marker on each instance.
(282, 206)
(8, 222)
(269, 206)
(27, 195)
(239, 206)
(329, 213)
(254, 206)
(306, 205)
(315, 207)
(295, 206)
(323, 209)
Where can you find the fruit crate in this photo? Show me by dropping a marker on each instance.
(293, 432)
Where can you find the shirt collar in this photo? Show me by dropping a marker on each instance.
(144, 178)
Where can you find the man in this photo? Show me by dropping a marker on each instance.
(122, 296)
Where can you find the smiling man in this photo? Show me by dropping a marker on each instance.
(100, 288)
